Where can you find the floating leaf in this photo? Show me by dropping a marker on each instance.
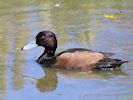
(110, 16)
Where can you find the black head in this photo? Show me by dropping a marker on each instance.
(46, 39)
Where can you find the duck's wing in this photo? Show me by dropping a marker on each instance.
(105, 54)
(109, 64)
(78, 58)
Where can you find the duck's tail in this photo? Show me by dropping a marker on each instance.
(109, 64)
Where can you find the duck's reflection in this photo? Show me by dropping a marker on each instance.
(49, 82)
(90, 74)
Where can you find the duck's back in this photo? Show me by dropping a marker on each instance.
(78, 59)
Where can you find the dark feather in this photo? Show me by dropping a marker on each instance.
(108, 63)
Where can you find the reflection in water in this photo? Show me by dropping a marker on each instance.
(18, 81)
(49, 82)
(91, 74)
(2, 82)
(13, 56)
(3, 69)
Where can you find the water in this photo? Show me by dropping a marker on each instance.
(76, 24)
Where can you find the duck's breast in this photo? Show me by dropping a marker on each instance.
(78, 60)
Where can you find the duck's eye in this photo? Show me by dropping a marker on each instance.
(42, 37)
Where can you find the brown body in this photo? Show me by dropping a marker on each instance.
(79, 59)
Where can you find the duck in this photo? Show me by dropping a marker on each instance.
(73, 58)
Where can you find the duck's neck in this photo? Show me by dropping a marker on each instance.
(47, 54)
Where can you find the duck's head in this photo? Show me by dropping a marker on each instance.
(46, 39)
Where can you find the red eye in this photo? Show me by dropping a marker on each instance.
(42, 37)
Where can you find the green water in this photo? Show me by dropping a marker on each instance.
(77, 23)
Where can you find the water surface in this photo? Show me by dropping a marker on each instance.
(77, 23)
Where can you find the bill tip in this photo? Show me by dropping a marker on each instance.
(22, 48)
